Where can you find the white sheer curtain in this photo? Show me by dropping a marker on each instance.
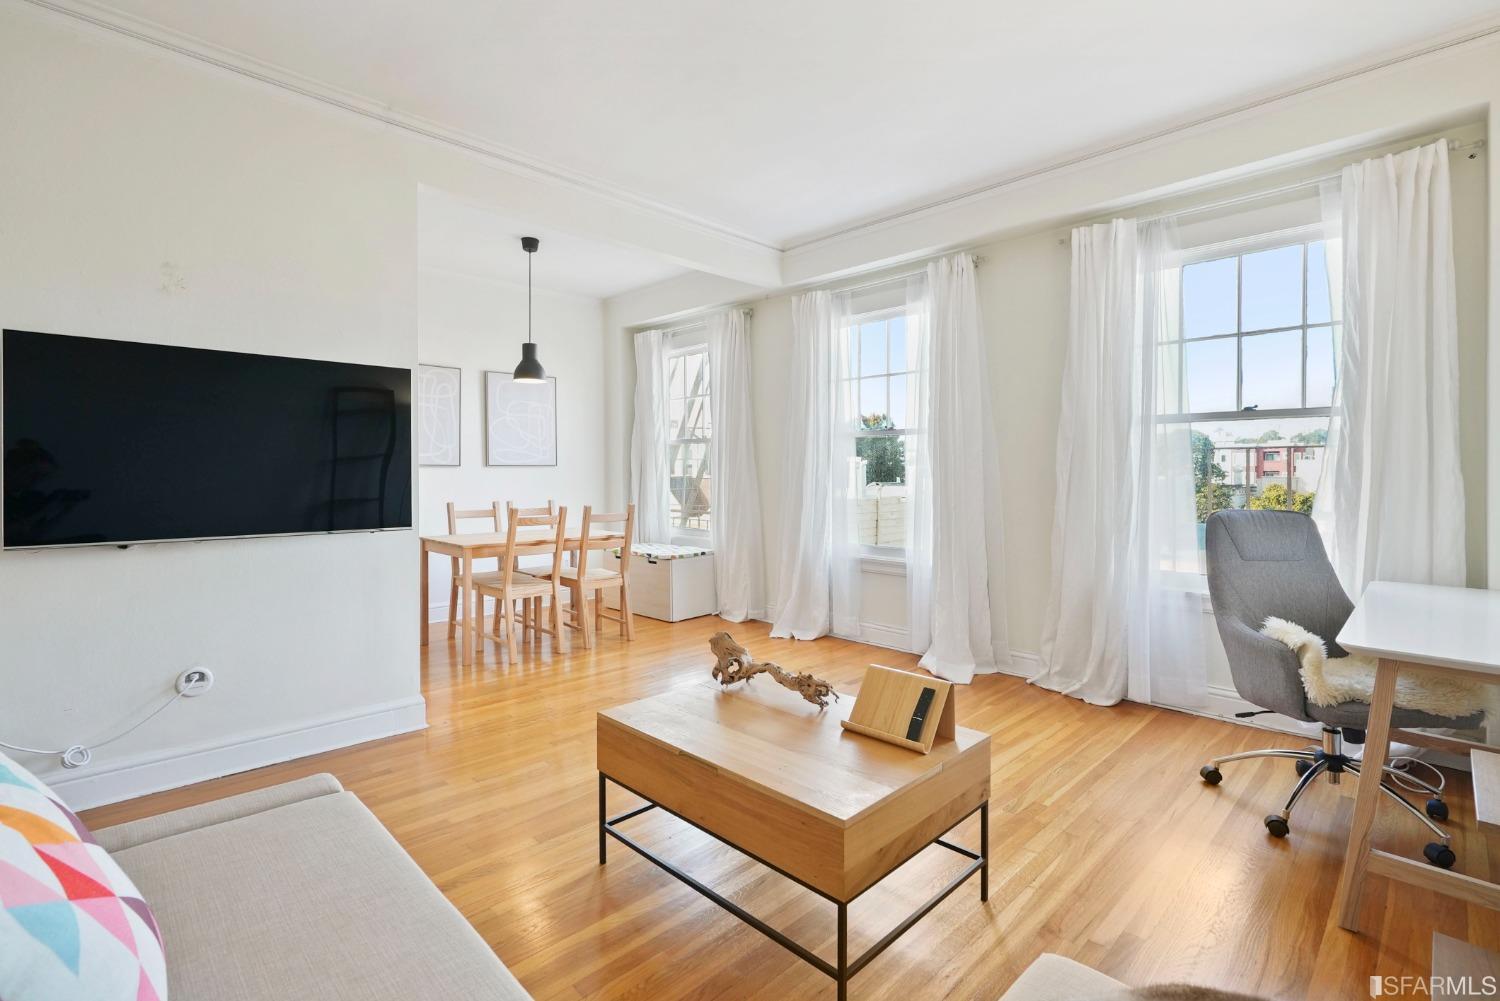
(734, 523)
(1167, 663)
(649, 485)
(956, 612)
(1391, 504)
(804, 593)
(1115, 624)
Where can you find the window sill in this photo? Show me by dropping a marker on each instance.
(891, 566)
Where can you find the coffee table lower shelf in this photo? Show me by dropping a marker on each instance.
(844, 970)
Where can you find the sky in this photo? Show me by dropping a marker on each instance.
(1272, 297)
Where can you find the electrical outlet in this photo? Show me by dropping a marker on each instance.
(194, 681)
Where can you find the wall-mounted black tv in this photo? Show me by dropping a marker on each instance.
(116, 442)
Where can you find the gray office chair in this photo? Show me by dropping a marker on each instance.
(1265, 563)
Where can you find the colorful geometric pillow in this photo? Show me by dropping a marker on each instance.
(72, 925)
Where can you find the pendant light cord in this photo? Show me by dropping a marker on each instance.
(529, 256)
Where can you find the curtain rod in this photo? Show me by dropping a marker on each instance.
(700, 321)
(1472, 148)
(903, 276)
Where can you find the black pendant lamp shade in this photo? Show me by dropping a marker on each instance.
(530, 370)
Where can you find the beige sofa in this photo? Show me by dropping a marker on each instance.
(297, 891)
(1054, 978)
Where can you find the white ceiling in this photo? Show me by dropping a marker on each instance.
(457, 235)
(783, 119)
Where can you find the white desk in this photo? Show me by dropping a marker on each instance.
(1454, 630)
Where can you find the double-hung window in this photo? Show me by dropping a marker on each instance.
(690, 428)
(1257, 357)
(878, 382)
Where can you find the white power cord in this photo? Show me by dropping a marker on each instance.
(79, 755)
(1401, 762)
(1404, 762)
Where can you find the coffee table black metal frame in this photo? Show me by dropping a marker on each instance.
(844, 970)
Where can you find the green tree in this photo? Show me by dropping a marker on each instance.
(1317, 437)
(885, 456)
(1211, 496)
(1276, 497)
(1209, 488)
(1268, 436)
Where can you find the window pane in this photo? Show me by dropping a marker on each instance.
(872, 348)
(884, 457)
(1321, 366)
(1256, 464)
(675, 411)
(873, 409)
(674, 378)
(899, 361)
(1211, 375)
(1273, 370)
(899, 416)
(1208, 298)
(690, 486)
(1318, 309)
(695, 418)
(1272, 281)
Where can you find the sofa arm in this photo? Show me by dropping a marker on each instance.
(191, 818)
(1054, 978)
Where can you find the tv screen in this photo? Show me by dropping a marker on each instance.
(115, 442)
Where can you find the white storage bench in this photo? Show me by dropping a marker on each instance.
(670, 583)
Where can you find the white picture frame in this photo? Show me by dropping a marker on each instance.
(520, 421)
(439, 415)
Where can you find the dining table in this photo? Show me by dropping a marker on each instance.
(467, 547)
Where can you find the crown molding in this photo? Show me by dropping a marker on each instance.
(105, 18)
(1481, 32)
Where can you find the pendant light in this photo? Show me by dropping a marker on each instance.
(530, 370)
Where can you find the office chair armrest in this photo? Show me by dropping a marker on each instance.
(1265, 671)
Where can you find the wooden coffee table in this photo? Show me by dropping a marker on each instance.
(775, 778)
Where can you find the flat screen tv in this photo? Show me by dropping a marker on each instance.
(115, 442)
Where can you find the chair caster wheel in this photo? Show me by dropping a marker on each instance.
(1302, 767)
(1437, 809)
(1211, 775)
(1440, 855)
(1277, 827)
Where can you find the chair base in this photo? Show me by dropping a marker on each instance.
(1330, 760)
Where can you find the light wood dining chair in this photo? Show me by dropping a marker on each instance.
(537, 571)
(585, 582)
(491, 514)
(513, 585)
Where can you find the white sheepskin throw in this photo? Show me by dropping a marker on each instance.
(1352, 679)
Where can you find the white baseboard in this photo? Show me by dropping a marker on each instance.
(890, 637)
(88, 787)
(1022, 665)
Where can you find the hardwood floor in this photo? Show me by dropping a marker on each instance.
(1105, 845)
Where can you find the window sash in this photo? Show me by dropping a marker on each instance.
(1239, 251)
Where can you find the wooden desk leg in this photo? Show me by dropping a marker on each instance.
(468, 600)
(1377, 743)
(422, 552)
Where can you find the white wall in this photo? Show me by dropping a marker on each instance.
(473, 323)
(143, 202)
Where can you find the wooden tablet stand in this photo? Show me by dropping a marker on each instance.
(889, 700)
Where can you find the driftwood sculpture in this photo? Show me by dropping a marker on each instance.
(735, 664)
